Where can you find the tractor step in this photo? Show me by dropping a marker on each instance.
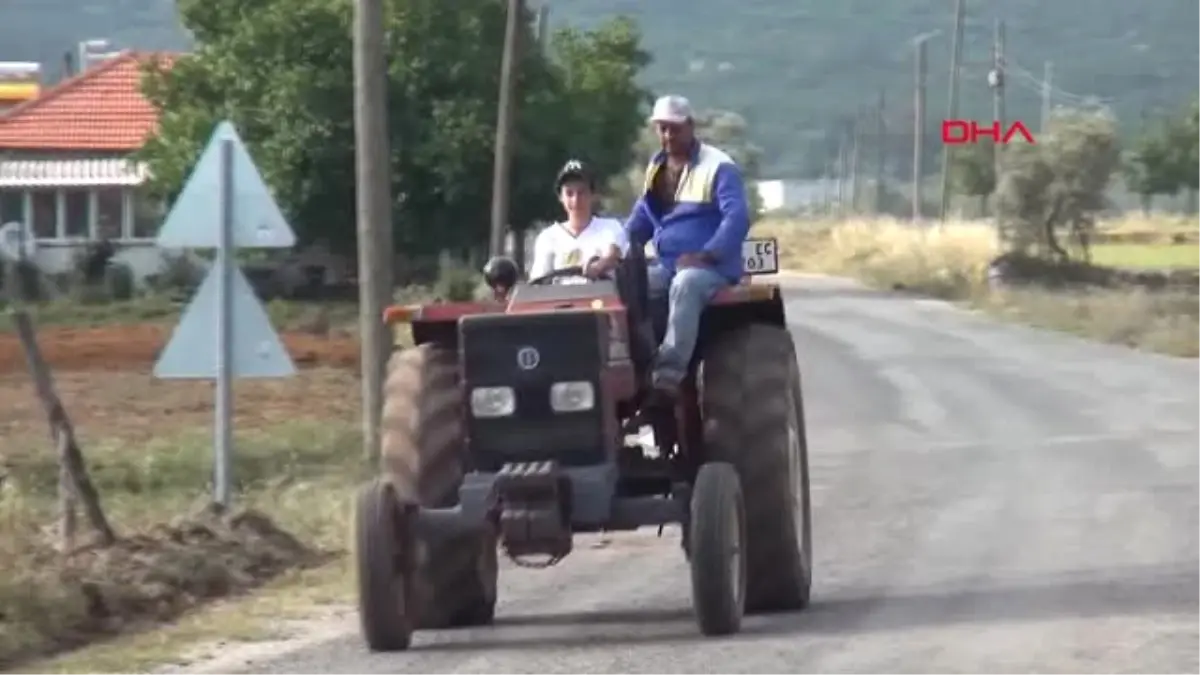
(535, 502)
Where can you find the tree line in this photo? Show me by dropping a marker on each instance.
(1048, 195)
(282, 71)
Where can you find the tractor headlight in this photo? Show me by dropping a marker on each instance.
(572, 396)
(493, 401)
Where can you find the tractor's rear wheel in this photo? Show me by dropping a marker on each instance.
(384, 551)
(422, 442)
(754, 419)
(718, 549)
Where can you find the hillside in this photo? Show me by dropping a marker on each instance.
(793, 68)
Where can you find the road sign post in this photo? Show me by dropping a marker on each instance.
(246, 345)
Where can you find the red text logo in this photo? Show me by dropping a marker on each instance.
(960, 132)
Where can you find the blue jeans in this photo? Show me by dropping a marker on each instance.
(688, 293)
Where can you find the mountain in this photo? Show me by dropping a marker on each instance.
(45, 30)
(797, 69)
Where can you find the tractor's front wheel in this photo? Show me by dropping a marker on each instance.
(717, 543)
(423, 439)
(384, 554)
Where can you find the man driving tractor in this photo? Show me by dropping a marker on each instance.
(583, 239)
(693, 207)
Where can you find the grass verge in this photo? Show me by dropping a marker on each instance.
(951, 262)
(293, 485)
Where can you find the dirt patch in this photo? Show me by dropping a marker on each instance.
(137, 346)
(147, 578)
(134, 407)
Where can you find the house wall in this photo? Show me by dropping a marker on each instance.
(66, 219)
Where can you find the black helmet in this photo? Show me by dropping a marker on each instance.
(574, 169)
(501, 272)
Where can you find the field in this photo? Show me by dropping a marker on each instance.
(951, 261)
(1146, 256)
(147, 444)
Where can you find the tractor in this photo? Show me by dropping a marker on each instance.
(507, 427)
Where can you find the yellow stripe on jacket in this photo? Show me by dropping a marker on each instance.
(696, 183)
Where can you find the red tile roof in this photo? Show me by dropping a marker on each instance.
(101, 108)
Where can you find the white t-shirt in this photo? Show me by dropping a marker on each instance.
(556, 247)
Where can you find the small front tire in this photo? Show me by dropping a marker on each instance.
(716, 543)
(383, 552)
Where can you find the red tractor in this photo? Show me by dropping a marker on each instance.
(506, 427)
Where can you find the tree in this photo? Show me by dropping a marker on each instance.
(281, 70)
(1183, 136)
(1147, 170)
(973, 169)
(1059, 183)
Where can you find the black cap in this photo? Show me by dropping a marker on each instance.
(574, 169)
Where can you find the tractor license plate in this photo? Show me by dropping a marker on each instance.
(760, 256)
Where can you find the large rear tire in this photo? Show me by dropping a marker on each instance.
(754, 419)
(423, 439)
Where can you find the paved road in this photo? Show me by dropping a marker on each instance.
(987, 498)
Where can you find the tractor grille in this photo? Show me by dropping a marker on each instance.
(569, 349)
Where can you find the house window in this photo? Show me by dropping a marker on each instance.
(12, 206)
(44, 216)
(110, 212)
(75, 214)
(148, 214)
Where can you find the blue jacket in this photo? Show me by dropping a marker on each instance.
(710, 212)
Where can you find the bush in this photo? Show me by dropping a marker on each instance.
(119, 282)
(177, 274)
(456, 282)
(21, 280)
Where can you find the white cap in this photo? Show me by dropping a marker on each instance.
(671, 109)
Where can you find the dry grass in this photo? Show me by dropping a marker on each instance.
(950, 261)
(148, 449)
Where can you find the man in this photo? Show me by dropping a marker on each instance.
(694, 208)
(582, 240)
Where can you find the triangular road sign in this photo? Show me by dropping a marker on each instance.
(195, 217)
(256, 350)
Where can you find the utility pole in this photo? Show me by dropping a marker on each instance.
(543, 24)
(855, 153)
(880, 151)
(952, 107)
(841, 175)
(920, 76)
(505, 121)
(827, 189)
(996, 82)
(374, 212)
(1047, 93)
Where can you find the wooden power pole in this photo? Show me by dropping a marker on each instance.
(920, 76)
(880, 152)
(1047, 94)
(505, 122)
(856, 161)
(952, 105)
(374, 211)
(996, 82)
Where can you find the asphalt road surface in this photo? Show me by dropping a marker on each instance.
(987, 498)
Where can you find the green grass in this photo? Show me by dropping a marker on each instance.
(1147, 256)
(161, 308)
(300, 476)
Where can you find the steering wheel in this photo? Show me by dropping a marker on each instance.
(573, 271)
